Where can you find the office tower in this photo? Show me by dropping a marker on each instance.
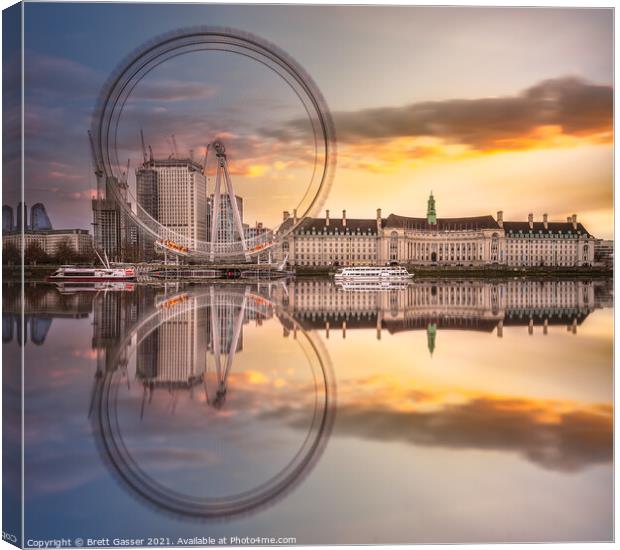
(39, 220)
(174, 192)
(7, 219)
(147, 197)
(109, 221)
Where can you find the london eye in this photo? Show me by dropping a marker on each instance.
(112, 178)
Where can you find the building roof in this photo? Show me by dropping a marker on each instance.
(352, 225)
(48, 232)
(171, 162)
(443, 224)
(395, 221)
(539, 227)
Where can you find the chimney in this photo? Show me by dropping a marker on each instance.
(295, 216)
(530, 220)
(569, 219)
(326, 218)
(500, 218)
(378, 219)
(574, 220)
(546, 221)
(344, 218)
(285, 215)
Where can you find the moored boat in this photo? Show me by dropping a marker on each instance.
(92, 274)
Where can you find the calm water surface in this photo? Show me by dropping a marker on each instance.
(441, 411)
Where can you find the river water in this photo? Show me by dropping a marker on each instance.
(439, 411)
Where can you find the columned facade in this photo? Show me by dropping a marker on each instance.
(431, 241)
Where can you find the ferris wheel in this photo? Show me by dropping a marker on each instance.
(112, 177)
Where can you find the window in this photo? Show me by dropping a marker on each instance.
(393, 245)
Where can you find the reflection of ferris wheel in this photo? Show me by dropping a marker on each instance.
(108, 426)
(112, 178)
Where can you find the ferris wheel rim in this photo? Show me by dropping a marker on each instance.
(164, 45)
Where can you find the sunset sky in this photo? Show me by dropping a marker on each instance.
(491, 109)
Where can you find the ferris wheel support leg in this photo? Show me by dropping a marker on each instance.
(235, 339)
(215, 210)
(235, 209)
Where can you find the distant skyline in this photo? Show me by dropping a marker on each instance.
(491, 108)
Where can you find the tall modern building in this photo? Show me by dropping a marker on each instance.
(39, 220)
(109, 221)
(7, 218)
(148, 210)
(174, 193)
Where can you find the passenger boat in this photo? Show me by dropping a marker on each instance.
(92, 274)
(388, 273)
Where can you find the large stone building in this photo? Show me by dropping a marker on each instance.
(469, 241)
(79, 240)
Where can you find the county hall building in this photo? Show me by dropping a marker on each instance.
(470, 241)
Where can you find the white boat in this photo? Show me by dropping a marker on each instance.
(92, 274)
(388, 273)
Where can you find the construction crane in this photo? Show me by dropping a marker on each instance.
(98, 169)
(174, 146)
(170, 146)
(126, 173)
(143, 146)
(204, 164)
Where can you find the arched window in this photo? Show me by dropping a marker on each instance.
(393, 245)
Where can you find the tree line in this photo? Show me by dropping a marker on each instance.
(35, 254)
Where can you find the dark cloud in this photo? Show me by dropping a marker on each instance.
(579, 107)
(579, 438)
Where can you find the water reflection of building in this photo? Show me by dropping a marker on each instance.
(175, 353)
(193, 340)
(114, 313)
(431, 305)
(40, 305)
